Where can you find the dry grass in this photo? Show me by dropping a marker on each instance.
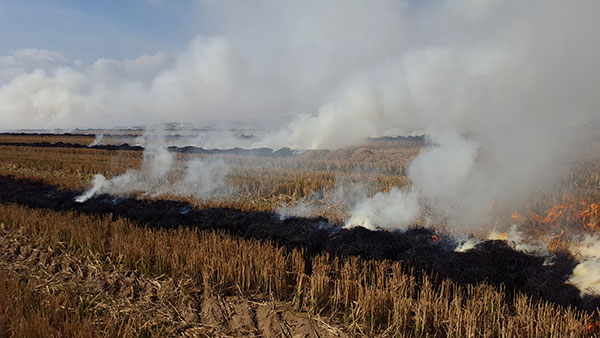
(82, 293)
(27, 311)
(256, 183)
(32, 138)
(364, 297)
(360, 297)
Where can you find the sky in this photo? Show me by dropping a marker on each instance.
(376, 68)
(90, 30)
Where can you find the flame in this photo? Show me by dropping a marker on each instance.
(497, 236)
(551, 225)
(557, 244)
(517, 217)
(435, 238)
(586, 216)
(556, 212)
(591, 216)
(593, 327)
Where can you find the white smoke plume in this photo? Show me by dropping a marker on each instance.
(507, 108)
(97, 140)
(586, 278)
(586, 275)
(348, 192)
(301, 209)
(345, 70)
(506, 89)
(438, 175)
(386, 210)
(202, 178)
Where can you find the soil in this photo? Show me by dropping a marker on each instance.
(493, 262)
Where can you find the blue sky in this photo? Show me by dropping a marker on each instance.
(89, 30)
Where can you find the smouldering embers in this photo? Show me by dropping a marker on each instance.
(570, 228)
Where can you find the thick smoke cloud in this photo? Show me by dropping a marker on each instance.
(160, 174)
(261, 61)
(345, 70)
(505, 89)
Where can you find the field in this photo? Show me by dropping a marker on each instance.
(172, 264)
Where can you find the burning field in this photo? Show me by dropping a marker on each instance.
(309, 168)
(423, 279)
(492, 261)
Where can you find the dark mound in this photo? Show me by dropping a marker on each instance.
(493, 261)
(420, 139)
(263, 152)
(46, 134)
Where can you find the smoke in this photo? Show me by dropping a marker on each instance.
(301, 209)
(347, 192)
(586, 275)
(505, 89)
(335, 66)
(100, 185)
(202, 178)
(386, 210)
(507, 111)
(235, 69)
(97, 140)
(586, 278)
(439, 174)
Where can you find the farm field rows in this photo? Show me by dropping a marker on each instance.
(65, 257)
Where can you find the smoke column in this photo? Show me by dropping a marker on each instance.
(202, 178)
(506, 89)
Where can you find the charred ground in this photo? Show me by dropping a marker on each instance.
(264, 152)
(493, 262)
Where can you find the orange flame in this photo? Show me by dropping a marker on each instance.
(556, 212)
(551, 225)
(517, 217)
(565, 216)
(435, 238)
(591, 216)
(593, 327)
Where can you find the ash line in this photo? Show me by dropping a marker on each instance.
(262, 152)
(493, 262)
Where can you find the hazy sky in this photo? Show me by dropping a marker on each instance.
(370, 67)
(91, 30)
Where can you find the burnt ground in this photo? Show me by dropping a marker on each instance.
(493, 262)
(264, 152)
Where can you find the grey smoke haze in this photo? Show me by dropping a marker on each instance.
(506, 89)
(373, 68)
(202, 178)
